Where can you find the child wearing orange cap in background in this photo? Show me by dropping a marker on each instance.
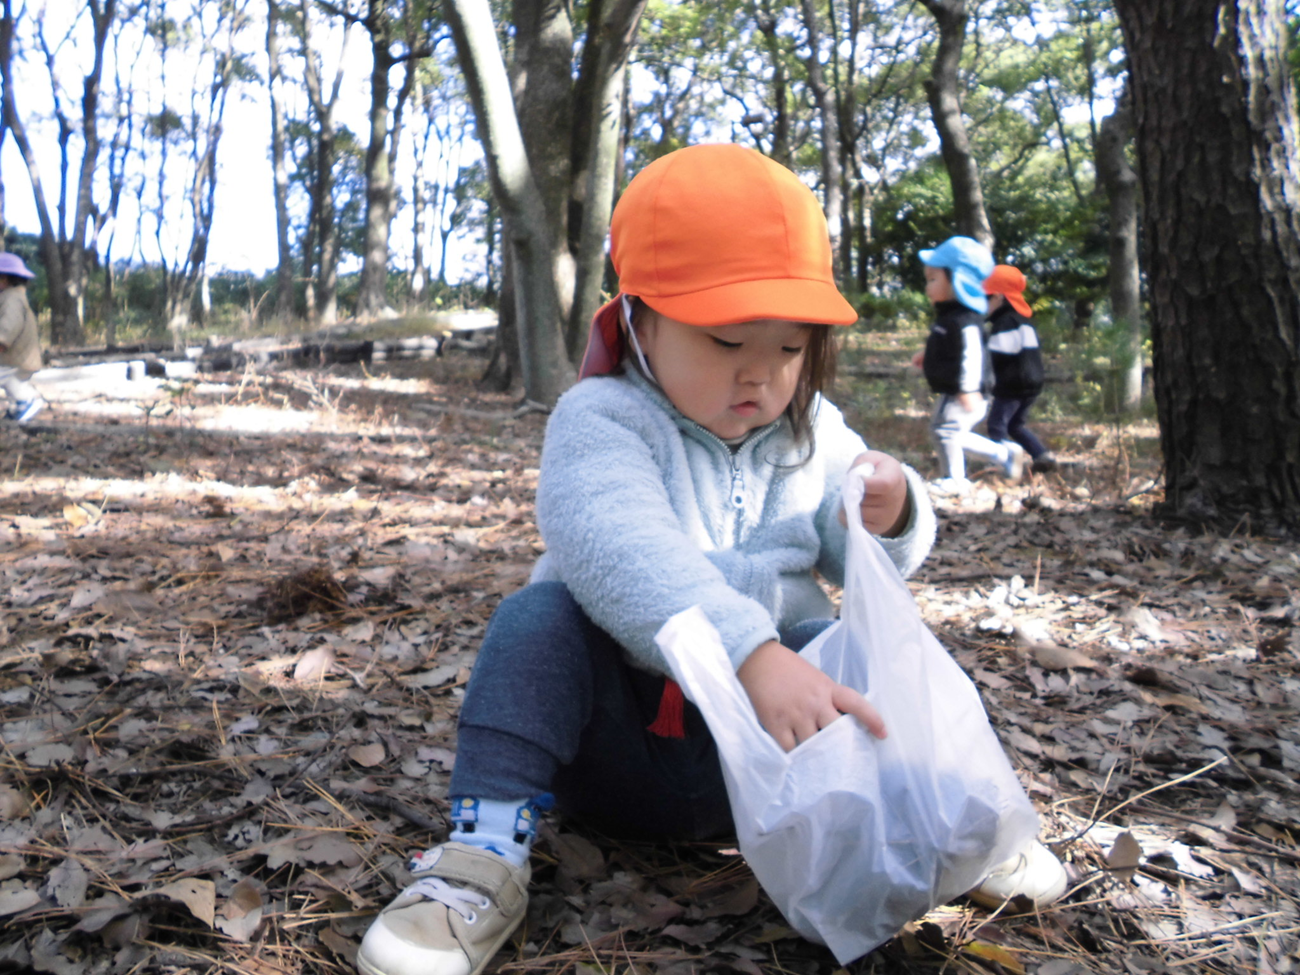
(1017, 364)
(696, 463)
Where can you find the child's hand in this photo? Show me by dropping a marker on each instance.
(794, 700)
(886, 508)
(918, 360)
(970, 402)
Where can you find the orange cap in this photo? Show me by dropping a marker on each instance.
(1009, 282)
(720, 234)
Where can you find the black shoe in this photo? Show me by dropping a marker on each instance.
(1044, 463)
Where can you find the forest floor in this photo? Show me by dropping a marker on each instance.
(239, 614)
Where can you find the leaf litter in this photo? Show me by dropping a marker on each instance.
(231, 664)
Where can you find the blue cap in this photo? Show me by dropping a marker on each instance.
(970, 263)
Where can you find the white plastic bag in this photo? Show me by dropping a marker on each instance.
(853, 836)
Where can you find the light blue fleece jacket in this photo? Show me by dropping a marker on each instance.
(645, 513)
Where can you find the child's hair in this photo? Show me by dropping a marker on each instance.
(816, 374)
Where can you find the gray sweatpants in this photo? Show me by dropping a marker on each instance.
(954, 436)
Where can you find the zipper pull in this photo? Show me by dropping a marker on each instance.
(737, 487)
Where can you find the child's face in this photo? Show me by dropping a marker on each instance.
(729, 379)
(938, 286)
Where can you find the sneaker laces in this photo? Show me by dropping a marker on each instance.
(462, 900)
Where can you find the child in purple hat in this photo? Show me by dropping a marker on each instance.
(20, 343)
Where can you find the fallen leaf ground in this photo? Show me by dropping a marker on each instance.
(239, 616)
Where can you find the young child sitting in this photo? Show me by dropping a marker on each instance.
(953, 361)
(697, 464)
(1017, 364)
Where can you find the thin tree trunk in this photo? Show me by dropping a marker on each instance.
(542, 83)
(547, 370)
(943, 91)
(324, 305)
(604, 96)
(372, 295)
(767, 23)
(279, 172)
(827, 112)
(1124, 276)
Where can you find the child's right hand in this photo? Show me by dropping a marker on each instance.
(794, 700)
(918, 360)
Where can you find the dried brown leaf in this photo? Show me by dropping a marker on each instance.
(241, 914)
(199, 896)
(1124, 856)
(369, 755)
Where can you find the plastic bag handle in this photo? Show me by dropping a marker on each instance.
(872, 560)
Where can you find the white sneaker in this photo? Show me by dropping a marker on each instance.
(949, 486)
(1036, 874)
(1014, 467)
(463, 906)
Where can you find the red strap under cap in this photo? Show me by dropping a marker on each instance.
(604, 342)
(670, 722)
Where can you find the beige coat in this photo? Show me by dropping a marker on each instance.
(18, 332)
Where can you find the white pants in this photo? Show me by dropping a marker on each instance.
(14, 382)
(954, 435)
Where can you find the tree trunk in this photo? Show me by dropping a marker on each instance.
(1215, 115)
(279, 173)
(372, 294)
(323, 306)
(547, 371)
(828, 113)
(601, 93)
(542, 83)
(943, 91)
(1124, 276)
(766, 19)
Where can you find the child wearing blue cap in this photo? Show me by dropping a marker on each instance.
(953, 361)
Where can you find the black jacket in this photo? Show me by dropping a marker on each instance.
(1017, 359)
(954, 352)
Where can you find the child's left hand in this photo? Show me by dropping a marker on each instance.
(886, 507)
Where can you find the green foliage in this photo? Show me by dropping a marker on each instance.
(1097, 358)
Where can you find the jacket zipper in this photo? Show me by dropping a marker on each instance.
(737, 497)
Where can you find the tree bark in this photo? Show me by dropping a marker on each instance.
(372, 294)
(943, 91)
(1215, 116)
(547, 371)
(603, 95)
(323, 308)
(1124, 276)
(279, 172)
(766, 19)
(827, 111)
(542, 83)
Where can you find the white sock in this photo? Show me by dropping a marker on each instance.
(505, 827)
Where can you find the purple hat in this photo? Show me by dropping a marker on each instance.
(13, 264)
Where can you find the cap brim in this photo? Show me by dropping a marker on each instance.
(1019, 304)
(790, 300)
(925, 255)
